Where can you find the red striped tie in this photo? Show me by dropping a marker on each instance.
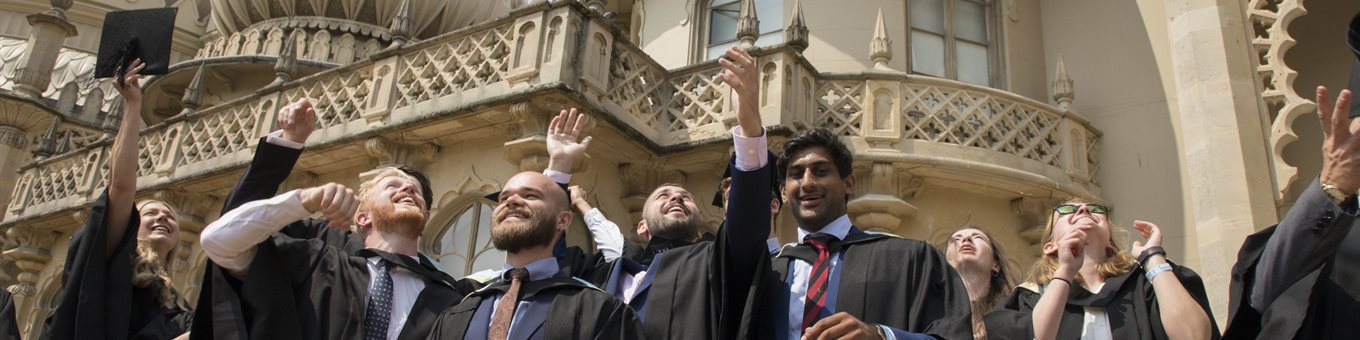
(821, 270)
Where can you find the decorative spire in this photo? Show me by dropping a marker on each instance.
(796, 35)
(1063, 86)
(286, 65)
(595, 5)
(401, 25)
(748, 26)
(880, 47)
(193, 95)
(49, 141)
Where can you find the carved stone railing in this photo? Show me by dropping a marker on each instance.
(564, 48)
(320, 40)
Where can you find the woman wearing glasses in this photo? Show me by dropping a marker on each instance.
(1085, 287)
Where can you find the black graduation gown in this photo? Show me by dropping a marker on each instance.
(219, 314)
(579, 311)
(1129, 302)
(706, 290)
(887, 280)
(9, 324)
(1322, 303)
(98, 299)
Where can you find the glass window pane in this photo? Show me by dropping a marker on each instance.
(970, 21)
(927, 53)
(771, 38)
(771, 15)
(927, 15)
(487, 257)
(722, 23)
(718, 50)
(972, 63)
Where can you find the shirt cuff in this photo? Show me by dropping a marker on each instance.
(276, 138)
(890, 333)
(752, 152)
(772, 244)
(557, 176)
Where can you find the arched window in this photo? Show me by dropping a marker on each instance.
(723, 16)
(463, 246)
(954, 39)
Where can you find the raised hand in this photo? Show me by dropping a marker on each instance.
(131, 89)
(297, 121)
(335, 202)
(1069, 250)
(740, 73)
(1340, 147)
(566, 143)
(1151, 232)
(578, 198)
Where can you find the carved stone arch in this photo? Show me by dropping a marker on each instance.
(1270, 21)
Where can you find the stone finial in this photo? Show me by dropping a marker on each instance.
(796, 34)
(880, 47)
(401, 25)
(193, 94)
(1063, 86)
(286, 65)
(748, 25)
(48, 147)
(595, 5)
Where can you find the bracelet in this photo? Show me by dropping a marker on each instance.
(1069, 282)
(1154, 250)
(1157, 270)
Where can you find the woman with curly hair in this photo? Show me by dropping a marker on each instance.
(116, 283)
(986, 273)
(1084, 287)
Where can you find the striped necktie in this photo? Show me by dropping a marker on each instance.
(817, 279)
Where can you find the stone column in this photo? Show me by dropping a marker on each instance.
(12, 155)
(50, 30)
(31, 254)
(1225, 166)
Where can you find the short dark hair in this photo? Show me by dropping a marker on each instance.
(840, 154)
(425, 190)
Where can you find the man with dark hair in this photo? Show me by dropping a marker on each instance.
(840, 281)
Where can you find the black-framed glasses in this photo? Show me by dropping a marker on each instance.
(1067, 209)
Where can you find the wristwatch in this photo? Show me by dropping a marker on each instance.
(1338, 195)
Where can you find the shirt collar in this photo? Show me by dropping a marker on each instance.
(374, 259)
(538, 270)
(838, 228)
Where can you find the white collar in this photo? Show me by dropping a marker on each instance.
(838, 228)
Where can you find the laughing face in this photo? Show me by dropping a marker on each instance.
(532, 211)
(159, 226)
(394, 203)
(971, 248)
(815, 191)
(670, 212)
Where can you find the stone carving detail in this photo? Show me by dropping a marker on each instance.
(30, 253)
(337, 100)
(475, 60)
(1270, 21)
(62, 177)
(221, 132)
(969, 118)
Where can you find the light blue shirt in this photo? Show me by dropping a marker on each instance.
(530, 314)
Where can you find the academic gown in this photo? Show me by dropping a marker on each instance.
(98, 299)
(578, 311)
(1322, 303)
(328, 287)
(900, 283)
(9, 324)
(1129, 302)
(705, 290)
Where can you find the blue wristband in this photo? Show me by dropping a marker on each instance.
(1151, 273)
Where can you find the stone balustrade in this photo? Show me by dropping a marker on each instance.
(563, 48)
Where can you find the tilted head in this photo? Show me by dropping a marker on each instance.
(1091, 218)
(670, 212)
(971, 250)
(159, 226)
(392, 201)
(532, 212)
(818, 179)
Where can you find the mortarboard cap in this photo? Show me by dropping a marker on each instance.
(1353, 39)
(139, 34)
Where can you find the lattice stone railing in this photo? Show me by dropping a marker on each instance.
(562, 48)
(315, 39)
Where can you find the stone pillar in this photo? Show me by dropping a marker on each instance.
(12, 155)
(31, 254)
(50, 30)
(1225, 165)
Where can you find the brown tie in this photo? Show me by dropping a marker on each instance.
(505, 308)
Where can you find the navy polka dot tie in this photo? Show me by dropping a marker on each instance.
(379, 304)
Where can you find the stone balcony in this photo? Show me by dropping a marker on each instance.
(902, 127)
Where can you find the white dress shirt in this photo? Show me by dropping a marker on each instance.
(231, 240)
(801, 270)
(608, 238)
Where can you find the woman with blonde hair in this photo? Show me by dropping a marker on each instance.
(1084, 287)
(116, 283)
(986, 273)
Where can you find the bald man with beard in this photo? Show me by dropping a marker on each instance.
(532, 214)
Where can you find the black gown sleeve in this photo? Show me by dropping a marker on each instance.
(9, 323)
(98, 300)
(740, 246)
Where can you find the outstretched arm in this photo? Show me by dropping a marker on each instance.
(608, 238)
(275, 156)
(230, 241)
(123, 157)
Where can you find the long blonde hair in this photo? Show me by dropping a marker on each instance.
(1116, 262)
(151, 266)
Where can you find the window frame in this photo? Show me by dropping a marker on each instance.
(700, 36)
(996, 73)
(471, 203)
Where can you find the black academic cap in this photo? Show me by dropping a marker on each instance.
(139, 34)
(1353, 39)
(775, 177)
